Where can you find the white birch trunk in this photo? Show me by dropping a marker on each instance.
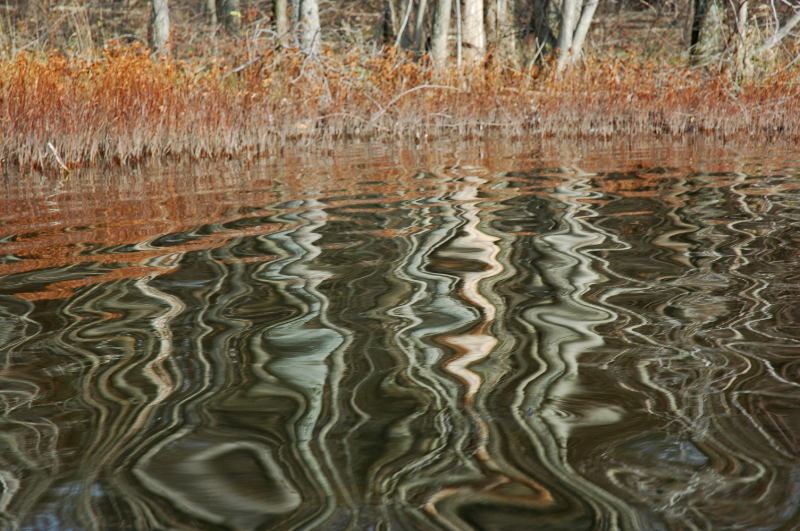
(281, 18)
(583, 28)
(441, 28)
(159, 27)
(575, 23)
(419, 27)
(569, 19)
(211, 10)
(309, 26)
(474, 35)
(500, 28)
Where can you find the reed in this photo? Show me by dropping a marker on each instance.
(125, 106)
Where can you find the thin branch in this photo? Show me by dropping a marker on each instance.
(409, 91)
(781, 33)
(240, 68)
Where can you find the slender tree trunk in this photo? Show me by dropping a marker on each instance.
(419, 27)
(569, 19)
(211, 11)
(474, 35)
(402, 40)
(710, 35)
(441, 28)
(490, 23)
(159, 27)
(499, 28)
(583, 27)
(309, 26)
(281, 18)
(575, 23)
(459, 36)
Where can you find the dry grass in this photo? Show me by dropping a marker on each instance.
(126, 107)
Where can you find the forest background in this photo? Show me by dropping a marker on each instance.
(119, 80)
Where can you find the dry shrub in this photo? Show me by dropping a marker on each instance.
(126, 106)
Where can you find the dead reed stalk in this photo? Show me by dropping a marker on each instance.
(126, 107)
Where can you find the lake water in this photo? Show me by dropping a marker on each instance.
(490, 335)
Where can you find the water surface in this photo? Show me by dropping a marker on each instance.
(494, 336)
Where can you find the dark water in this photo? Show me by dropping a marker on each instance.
(493, 337)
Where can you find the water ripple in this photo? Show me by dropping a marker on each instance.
(525, 344)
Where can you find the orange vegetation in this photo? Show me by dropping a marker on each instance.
(126, 106)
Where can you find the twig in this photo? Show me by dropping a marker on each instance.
(409, 91)
(399, 39)
(242, 67)
(58, 159)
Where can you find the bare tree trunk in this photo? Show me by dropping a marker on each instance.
(402, 40)
(474, 36)
(499, 27)
(781, 33)
(490, 20)
(159, 27)
(575, 22)
(441, 28)
(309, 26)
(710, 38)
(211, 10)
(295, 5)
(583, 27)
(419, 27)
(569, 19)
(459, 36)
(281, 18)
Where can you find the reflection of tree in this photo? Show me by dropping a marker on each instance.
(547, 348)
(549, 404)
(700, 353)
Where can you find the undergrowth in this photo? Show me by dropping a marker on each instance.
(126, 106)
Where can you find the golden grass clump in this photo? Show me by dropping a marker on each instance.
(126, 106)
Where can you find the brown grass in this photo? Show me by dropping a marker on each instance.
(126, 107)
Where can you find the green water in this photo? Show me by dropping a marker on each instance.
(492, 336)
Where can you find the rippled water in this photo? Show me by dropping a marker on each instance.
(492, 337)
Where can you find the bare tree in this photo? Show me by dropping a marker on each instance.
(159, 27)
(419, 27)
(211, 11)
(281, 17)
(752, 50)
(441, 29)
(474, 35)
(500, 28)
(783, 30)
(576, 17)
(309, 26)
(402, 38)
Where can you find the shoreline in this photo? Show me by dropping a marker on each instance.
(127, 108)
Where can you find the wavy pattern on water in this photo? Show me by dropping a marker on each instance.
(552, 349)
